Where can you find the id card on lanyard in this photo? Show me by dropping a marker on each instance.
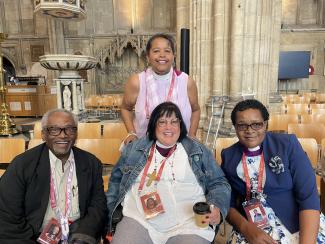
(253, 207)
(62, 217)
(151, 202)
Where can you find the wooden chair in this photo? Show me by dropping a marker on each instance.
(115, 130)
(320, 98)
(34, 142)
(2, 171)
(313, 118)
(10, 148)
(317, 105)
(91, 104)
(310, 146)
(297, 108)
(279, 122)
(89, 130)
(107, 150)
(300, 100)
(311, 96)
(105, 182)
(283, 108)
(106, 105)
(318, 111)
(118, 98)
(37, 134)
(316, 131)
(222, 143)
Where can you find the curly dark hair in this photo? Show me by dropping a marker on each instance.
(249, 104)
(166, 108)
(168, 37)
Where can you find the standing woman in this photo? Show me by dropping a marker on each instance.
(159, 83)
(270, 174)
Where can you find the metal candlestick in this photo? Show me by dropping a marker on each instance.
(6, 126)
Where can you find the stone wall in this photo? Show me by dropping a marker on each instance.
(303, 29)
(29, 33)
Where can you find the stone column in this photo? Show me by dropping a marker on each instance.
(182, 21)
(275, 99)
(56, 36)
(221, 47)
(246, 31)
(59, 95)
(200, 46)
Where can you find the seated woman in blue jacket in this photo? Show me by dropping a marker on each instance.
(269, 173)
(159, 178)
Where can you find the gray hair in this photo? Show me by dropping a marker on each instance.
(46, 116)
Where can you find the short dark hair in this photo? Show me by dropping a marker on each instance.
(166, 108)
(168, 37)
(249, 104)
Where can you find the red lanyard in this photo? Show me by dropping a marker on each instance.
(149, 160)
(169, 96)
(248, 181)
(68, 194)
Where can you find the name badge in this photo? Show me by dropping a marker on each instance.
(255, 213)
(51, 234)
(151, 204)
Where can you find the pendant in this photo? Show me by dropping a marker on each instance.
(152, 178)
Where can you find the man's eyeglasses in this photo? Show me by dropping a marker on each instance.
(254, 126)
(173, 122)
(55, 131)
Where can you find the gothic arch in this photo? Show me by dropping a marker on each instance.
(10, 54)
(118, 44)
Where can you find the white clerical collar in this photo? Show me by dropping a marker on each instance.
(163, 77)
(253, 149)
(163, 146)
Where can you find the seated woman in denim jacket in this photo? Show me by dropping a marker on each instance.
(271, 175)
(159, 178)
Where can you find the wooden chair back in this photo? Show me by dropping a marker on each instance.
(114, 130)
(89, 130)
(317, 111)
(92, 102)
(279, 122)
(222, 143)
(37, 134)
(313, 118)
(317, 105)
(34, 142)
(105, 182)
(314, 130)
(106, 150)
(10, 148)
(320, 98)
(302, 108)
(311, 148)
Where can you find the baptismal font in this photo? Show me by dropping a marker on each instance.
(69, 84)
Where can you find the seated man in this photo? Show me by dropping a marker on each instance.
(53, 182)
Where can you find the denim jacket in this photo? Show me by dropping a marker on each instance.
(133, 159)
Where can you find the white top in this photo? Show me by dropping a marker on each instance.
(60, 178)
(178, 198)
